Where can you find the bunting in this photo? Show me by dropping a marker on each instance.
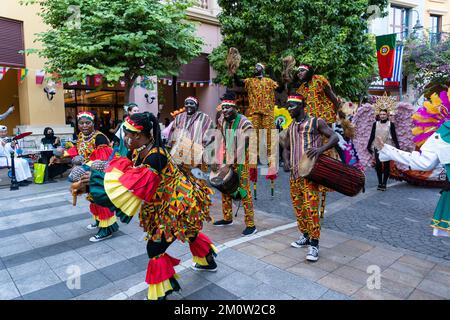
(40, 75)
(21, 74)
(3, 71)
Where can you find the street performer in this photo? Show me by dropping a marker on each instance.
(235, 126)
(432, 135)
(189, 134)
(170, 205)
(304, 137)
(91, 145)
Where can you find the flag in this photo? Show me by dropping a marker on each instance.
(397, 70)
(122, 83)
(194, 84)
(98, 79)
(3, 71)
(169, 82)
(202, 84)
(385, 54)
(182, 84)
(188, 84)
(21, 74)
(40, 75)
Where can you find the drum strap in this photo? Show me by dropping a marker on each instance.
(241, 166)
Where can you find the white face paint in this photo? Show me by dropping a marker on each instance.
(128, 141)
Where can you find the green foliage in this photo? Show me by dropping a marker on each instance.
(329, 34)
(428, 64)
(119, 39)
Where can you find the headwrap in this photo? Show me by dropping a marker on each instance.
(3, 128)
(260, 64)
(304, 66)
(85, 115)
(132, 126)
(193, 99)
(296, 98)
(229, 103)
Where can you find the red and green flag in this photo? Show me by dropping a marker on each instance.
(21, 74)
(386, 54)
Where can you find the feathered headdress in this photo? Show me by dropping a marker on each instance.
(385, 103)
(428, 118)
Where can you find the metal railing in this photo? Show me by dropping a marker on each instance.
(204, 4)
(437, 37)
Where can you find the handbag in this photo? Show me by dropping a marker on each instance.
(39, 172)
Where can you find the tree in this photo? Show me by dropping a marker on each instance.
(428, 65)
(118, 39)
(330, 34)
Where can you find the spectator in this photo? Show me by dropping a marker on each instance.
(53, 169)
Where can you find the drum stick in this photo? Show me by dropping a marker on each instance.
(74, 198)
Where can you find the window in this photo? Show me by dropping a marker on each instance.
(436, 29)
(399, 21)
(11, 42)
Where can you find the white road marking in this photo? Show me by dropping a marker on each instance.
(43, 197)
(372, 227)
(412, 220)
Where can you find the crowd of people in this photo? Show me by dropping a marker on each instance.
(138, 174)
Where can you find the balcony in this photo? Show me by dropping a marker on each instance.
(205, 11)
(438, 37)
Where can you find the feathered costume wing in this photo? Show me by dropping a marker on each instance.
(363, 121)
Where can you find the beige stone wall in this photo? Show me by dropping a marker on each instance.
(437, 7)
(35, 108)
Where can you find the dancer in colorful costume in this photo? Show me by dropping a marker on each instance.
(432, 134)
(170, 205)
(119, 134)
(304, 137)
(91, 145)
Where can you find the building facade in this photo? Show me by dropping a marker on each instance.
(35, 111)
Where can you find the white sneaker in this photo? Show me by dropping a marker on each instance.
(313, 253)
(300, 243)
(92, 226)
(98, 239)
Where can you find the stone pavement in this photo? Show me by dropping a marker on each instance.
(45, 243)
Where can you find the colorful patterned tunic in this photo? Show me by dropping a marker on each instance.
(179, 206)
(261, 95)
(86, 145)
(317, 102)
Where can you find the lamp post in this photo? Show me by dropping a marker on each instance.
(417, 26)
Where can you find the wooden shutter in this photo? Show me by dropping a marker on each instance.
(196, 70)
(11, 41)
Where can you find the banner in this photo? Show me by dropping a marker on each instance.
(40, 75)
(3, 71)
(386, 54)
(21, 74)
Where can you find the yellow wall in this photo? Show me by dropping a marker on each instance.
(9, 95)
(35, 108)
(437, 7)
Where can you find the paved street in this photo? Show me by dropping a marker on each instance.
(45, 243)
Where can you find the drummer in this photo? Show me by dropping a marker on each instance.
(231, 124)
(192, 124)
(304, 137)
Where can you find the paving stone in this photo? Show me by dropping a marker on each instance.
(191, 282)
(307, 271)
(255, 251)
(324, 263)
(435, 288)
(211, 292)
(402, 277)
(29, 269)
(20, 258)
(363, 264)
(410, 269)
(36, 282)
(102, 293)
(381, 256)
(374, 294)
(8, 291)
(90, 281)
(120, 270)
(4, 276)
(418, 294)
(333, 295)
(412, 260)
(352, 274)
(126, 283)
(65, 272)
(238, 283)
(140, 261)
(223, 270)
(280, 261)
(440, 276)
(54, 292)
(270, 245)
(298, 287)
(340, 284)
(266, 292)
(396, 288)
(105, 259)
(240, 261)
(64, 259)
(14, 245)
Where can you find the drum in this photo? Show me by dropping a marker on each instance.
(226, 180)
(333, 174)
(186, 151)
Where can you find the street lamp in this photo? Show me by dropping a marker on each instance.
(417, 26)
